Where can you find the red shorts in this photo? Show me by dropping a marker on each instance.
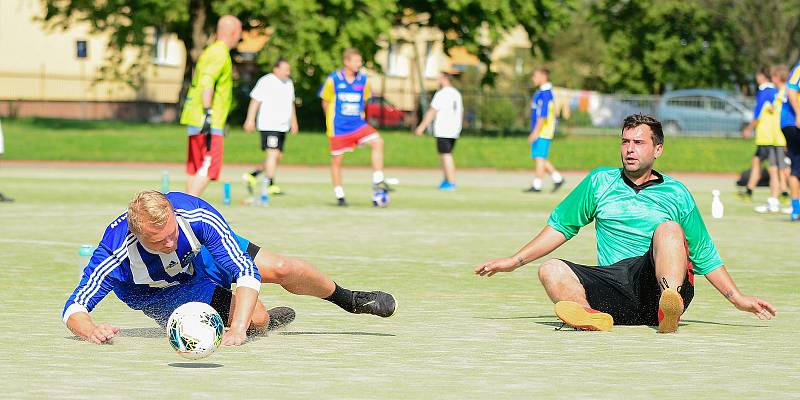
(344, 143)
(201, 160)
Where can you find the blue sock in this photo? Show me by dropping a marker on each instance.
(795, 206)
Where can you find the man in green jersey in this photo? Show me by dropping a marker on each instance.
(651, 240)
(207, 105)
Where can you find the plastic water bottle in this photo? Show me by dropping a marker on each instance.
(226, 193)
(263, 201)
(165, 182)
(717, 209)
(85, 254)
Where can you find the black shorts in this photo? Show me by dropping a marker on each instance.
(628, 289)
(792, 134)
(445, 145)
(221, 299)
(272, 140)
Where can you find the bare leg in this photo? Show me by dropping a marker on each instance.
(794, 187)
(198, 185)
(336, 169)
(377, 154)
(449, 166)
(295, 275)
(755, 173)
(784, 177)
(561, 283)
(774, 182)
(271, 163)
(669, 252)
(540, 167)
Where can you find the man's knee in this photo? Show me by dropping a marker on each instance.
(553, 271)
(669, 230)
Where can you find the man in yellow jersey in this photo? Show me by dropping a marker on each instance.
(543, 127)
(207, 105)
(770, 142)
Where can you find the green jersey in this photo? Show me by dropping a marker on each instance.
(627, 215)
(213, 71)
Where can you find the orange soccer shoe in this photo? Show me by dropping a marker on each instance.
(670, 308)
(584, 318)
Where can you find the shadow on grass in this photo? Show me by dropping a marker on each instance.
(142, 332)
(694, 321)
(194, 365)
(56, 124)
(297, 333)
(521, 317)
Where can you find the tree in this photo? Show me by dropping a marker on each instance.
(653, 45)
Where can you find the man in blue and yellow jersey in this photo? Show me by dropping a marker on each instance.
(770, 143)
(543, 127)
(344, 95)
(790, 125)
(651, 241)
(207, 105)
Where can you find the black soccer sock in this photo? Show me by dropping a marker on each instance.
(256, 172)
(749, 191)
(342, 297)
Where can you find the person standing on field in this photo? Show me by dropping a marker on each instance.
(207, 105)
(272, 100)
(543, 128)
(446, 112)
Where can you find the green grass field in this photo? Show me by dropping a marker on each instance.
(44, 139)
(455, 335)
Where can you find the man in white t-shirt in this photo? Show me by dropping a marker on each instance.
(2, 197)
(446, 112)
(272, 99)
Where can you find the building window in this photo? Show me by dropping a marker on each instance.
(398, 62)
(166, 50)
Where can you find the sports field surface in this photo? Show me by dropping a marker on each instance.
(454, 336)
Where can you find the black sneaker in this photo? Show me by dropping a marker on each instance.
(341, 202)
(531, 190)
(382, 186)
(280, 317)
(375, 303)
(557, 185)
(5, 199)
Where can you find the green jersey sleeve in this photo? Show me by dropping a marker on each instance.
(576, 210)
(702, 251)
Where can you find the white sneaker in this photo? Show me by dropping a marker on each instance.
(767, 208)
(787, 211)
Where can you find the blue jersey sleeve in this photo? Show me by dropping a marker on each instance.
(543, 107)
(760, 99)
(534, 111)
(794, 79)
(216, 235)
(99, 277)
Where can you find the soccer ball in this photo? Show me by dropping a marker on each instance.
(195, 330)
(380, 199)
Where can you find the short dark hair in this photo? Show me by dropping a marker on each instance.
(544, 70)
(280, 61)
(634, 120)
(763, 70)
(779, 71)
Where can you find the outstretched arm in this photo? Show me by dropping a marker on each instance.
(543, 244)
(81, 324)
(724, 283)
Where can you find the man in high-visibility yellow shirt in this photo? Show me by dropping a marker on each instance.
(207, 105)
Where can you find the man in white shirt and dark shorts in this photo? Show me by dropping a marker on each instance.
(448, 111)
(272, 101)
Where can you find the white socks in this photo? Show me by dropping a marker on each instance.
(537, 183)
(377, 177)
(556, 177)
(339, 192)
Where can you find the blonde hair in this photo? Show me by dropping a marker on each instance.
(350, 52)
(148, 207)
(781, 72)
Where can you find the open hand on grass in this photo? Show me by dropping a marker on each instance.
(492, 267)
(762, 309)
(102, 333)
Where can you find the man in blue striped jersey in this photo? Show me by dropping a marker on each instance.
(168, 250)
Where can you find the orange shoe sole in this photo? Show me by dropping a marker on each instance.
(671, 305)
(574, 315)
